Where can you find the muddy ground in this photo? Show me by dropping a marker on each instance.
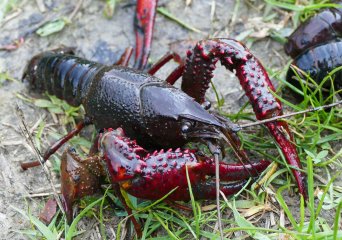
(100, 39)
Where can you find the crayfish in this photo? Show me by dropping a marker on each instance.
(136, 113)
(316, 46)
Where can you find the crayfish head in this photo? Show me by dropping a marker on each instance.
(217, 137)
(172, 118)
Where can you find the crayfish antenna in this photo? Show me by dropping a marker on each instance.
(217, 182)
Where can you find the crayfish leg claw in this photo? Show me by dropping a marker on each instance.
(79, 178)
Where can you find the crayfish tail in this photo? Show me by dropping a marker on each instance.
(61, 74)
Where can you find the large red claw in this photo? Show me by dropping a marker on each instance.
(143, 24)
(200, 64)
(152, 176)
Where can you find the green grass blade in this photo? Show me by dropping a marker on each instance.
(311, 203)
(165, 226)
(245, 224)
(182, 222)
(331, 160)
(193, 203)
(337, 219)
(320, 204)
(167, 14)
(286, 209)
(72, 229)
(158, 201)
(285, 101)
(296, 8)
(146, 226)
(43, 229)
(102, 227)
(302, 213)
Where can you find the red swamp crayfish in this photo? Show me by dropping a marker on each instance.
(316, 47)
(136, 112)
(157, 114)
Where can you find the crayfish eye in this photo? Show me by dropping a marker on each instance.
(186, 127)
(206, 105)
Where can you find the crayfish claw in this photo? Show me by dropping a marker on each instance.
(79, 178)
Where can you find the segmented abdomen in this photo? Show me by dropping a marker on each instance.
(66, 76)
(316, 47)
(324, 26)
(319, 61)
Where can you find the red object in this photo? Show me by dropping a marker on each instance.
(143, 25)
(49, 211)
